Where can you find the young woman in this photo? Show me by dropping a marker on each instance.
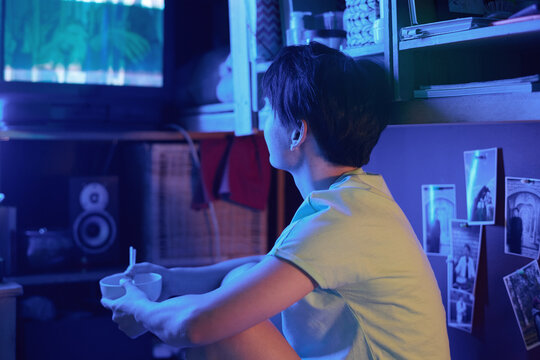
(347, 275)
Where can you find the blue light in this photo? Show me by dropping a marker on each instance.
(2, 123)
(432, 204)
(471, 182)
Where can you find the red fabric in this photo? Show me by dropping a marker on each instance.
(212, 157)
(249, 171)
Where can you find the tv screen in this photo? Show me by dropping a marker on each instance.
(97, 42)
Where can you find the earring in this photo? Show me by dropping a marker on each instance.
(294, 139)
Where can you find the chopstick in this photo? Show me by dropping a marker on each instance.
(132, 256)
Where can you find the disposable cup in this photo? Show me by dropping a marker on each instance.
(149, 283)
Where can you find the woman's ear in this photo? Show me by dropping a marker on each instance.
(298, 135)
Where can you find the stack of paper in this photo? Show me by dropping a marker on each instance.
(521, 84)
(442, 27)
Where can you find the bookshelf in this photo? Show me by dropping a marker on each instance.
(509, 107)
(507, 32)
(478, 55)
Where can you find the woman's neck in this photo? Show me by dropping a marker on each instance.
(318, 174)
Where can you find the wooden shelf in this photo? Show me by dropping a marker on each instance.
(365, 50)
(37, 133)
(62, 278)
(506, 31)
(104, 134)
(209, 118)
(201, 122)
(475, 108)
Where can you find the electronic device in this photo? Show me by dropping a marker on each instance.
(94, 217)
(86, 62)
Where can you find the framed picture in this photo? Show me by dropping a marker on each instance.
(522, 217)
(523, 288)
(466, 240)
(481, 185)
(460, 309)
(438, 208)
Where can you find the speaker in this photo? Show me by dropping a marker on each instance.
(94, 217)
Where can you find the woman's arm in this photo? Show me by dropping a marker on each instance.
(192, 280)
(247, 300)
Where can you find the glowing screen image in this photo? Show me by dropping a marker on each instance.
(101, 42)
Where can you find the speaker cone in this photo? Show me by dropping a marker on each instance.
(94, 231)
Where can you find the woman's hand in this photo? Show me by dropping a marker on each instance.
(167, 285)
(125, 307)
(248, 297)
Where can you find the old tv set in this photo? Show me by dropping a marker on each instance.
(85, 62)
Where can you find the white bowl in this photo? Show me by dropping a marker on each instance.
(149, 283)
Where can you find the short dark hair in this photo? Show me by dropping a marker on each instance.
(344, 102)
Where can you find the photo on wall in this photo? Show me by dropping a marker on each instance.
(463, 264)
(522, 217)
(481, 185)
(523, 288)
(460, 309)
(438, 208)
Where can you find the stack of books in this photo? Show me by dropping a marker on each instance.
(524, 84)
(442, 27)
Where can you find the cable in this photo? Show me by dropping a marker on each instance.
(197, 163)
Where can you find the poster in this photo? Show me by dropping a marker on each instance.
(523, 288)
(465, 255)
(462, 273)
(481, 185)
(522, 217)
(460, 309)
(438, 208)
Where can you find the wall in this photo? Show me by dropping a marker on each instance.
(411, 155)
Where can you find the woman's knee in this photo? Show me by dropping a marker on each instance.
(261, 342)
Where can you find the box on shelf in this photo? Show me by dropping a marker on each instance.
(175, 234)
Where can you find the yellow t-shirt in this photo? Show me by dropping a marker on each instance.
(377, 296)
